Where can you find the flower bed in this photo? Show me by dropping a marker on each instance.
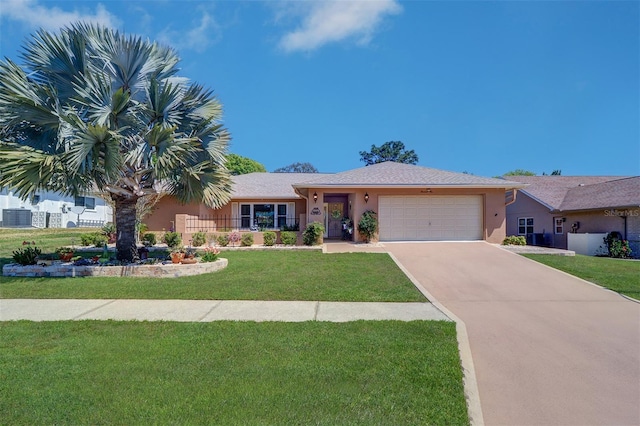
(157, 270)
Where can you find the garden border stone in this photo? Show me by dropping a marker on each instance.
(157, 270)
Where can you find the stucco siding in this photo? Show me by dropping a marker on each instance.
(524, 207)
(600, 221)
(495, 217)
(633, 232)
(493, 211)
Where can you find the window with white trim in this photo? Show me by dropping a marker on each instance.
(525, 225)
(265, 216)
(559, 225)
(88, 203)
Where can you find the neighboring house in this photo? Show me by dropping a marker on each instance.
(52, 210)
(413, 203)
(551, 207)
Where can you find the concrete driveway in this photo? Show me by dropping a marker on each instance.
(548, 348)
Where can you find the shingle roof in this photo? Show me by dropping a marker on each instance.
(553, 190)
(614, 193)
(389, 174)
(267, 185)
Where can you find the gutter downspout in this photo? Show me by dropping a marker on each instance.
(297, 191)
(515, 192)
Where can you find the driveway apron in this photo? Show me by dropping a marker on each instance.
(548, 348)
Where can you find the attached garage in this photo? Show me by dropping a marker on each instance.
(431, 218)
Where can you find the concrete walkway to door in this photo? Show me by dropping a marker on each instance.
(548, 348)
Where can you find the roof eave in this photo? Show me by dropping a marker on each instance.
(263, 197)
(422, 185)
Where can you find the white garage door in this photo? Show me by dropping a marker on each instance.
(430, 218)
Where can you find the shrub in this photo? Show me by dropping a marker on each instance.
(210, 254)
(142, 229)
(247, 240)
(288, 238)
(149, 239)
(100, 240)
(198, 239)
(27, 255)
(312, 234)
(109, 231)
(617, 247)
(223, 240)
(234, 237)
(294, 227)
(86, 239)
(172, 239)
(97, 239)
(368, 225)
(515, 240)
(64, 250)
(269, 238)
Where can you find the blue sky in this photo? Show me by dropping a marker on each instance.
(480, 87)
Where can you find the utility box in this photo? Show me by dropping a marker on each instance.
(16, 218)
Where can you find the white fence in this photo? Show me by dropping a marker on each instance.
(588, 244)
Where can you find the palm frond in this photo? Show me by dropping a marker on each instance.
(27, 170)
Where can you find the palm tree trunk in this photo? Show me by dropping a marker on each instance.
(125, 212)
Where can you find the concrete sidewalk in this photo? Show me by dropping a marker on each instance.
(212, 310)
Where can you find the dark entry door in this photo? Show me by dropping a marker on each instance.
(336, 213)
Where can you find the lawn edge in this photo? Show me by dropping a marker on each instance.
(631, 299)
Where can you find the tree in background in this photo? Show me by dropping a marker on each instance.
(239, 165)
(297, 168)
(522, 172)
(519, 172)
(94, 110)
(556, 172)
(389, 151)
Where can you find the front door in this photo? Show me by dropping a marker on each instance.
(334, 222)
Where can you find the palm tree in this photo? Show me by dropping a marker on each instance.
(94, 110)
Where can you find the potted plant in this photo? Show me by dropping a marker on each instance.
(189, 256)
(177, 255)
(65, 253)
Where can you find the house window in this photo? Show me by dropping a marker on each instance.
(88, 203)
(245, 216)
(263, 216)
(282, 215)
(525, 225)
(559, 225)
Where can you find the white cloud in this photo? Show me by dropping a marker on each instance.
(198, 37)
(331, 21)
(36, 15)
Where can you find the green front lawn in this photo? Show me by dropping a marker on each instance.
(618, 275)
(46, 239)
(251, 275)
(231, 373)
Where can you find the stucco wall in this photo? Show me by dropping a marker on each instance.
(494, 210)
(495, 217)
(633, 233)
(524, 206)
(602, 221)
(164, 213)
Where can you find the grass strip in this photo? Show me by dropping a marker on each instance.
(231, 373)
(618, 275)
